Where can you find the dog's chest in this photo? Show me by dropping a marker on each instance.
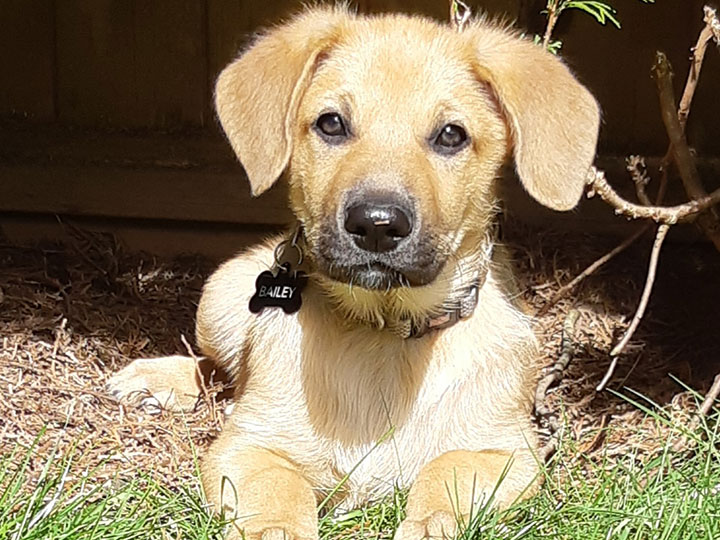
(364, 404)
(384, 408)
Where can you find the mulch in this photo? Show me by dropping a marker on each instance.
(72, 314)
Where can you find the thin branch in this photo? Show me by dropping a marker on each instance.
(686, 440)
(634, 162)
(662, 72)
(563, 291)
(551, 377)
(710, 397)
(460, 13)
(652, 268)
(638, 172)
(711, 20)
(650, 280)
(598, 185)
(553, 10)
(696, 62)
(608, 375)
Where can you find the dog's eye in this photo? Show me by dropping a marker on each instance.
(451, 139)
(331, 128)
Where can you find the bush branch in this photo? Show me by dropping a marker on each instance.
(598, 185)
(662, 72)
(636, 164)
(553, 12)
(649, 281)
(542, 411)
(460, 13)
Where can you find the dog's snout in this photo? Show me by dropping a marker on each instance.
(377, 226)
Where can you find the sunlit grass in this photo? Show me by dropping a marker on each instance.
(667, 495)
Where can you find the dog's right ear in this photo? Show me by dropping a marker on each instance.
(257, 95)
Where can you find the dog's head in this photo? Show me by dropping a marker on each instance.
(392, 130)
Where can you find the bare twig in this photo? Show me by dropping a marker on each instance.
(608, 374)
(553, 12)
(696, 61)
(638, 172)
(686, 441)
(711, 20)
(662, 72)
(551, 377)
(711, 30)
(565, 289)
(640, 177)
(710, 397)
(652, 268)
(460, 13)
(660, 214)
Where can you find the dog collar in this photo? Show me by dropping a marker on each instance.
(286, 275)
(459, 305)
(465, 303)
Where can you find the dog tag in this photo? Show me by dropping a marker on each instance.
(282, 290)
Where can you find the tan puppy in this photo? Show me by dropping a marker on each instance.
(390, 131)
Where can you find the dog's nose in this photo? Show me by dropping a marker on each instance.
(377, 227)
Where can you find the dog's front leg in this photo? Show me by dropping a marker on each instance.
(453, 487)
(263, 493)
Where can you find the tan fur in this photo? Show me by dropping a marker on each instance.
(329, 391)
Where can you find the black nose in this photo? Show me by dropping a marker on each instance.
(377, 227)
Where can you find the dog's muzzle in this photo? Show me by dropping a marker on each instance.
(378, 241)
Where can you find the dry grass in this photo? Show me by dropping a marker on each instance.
(71, 315)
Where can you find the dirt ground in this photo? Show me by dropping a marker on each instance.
(71, 315)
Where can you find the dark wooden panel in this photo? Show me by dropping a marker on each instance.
(132, 63)
(216, 241)
(171, 60)
(27, 53)
(616, 66)
(57, 145)
(197, 194)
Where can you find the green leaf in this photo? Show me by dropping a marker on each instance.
(601, 11)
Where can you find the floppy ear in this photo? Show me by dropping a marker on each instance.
(257, 95)
(554, 119)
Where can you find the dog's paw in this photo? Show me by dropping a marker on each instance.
(438, 526)
(169, 383)
(271, 533)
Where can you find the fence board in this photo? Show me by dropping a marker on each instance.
(27, 54)
(132, 63)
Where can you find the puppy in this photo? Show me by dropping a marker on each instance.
(407, 362)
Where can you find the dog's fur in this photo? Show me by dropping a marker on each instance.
(330, 391)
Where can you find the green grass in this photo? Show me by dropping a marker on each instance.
(70, 504)
(664, 496)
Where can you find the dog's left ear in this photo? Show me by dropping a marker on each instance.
(553, 118)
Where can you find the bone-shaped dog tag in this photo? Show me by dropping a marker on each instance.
(282, 290)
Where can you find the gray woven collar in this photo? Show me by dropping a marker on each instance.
(465, 302)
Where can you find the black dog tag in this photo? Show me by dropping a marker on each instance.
(281, 290)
